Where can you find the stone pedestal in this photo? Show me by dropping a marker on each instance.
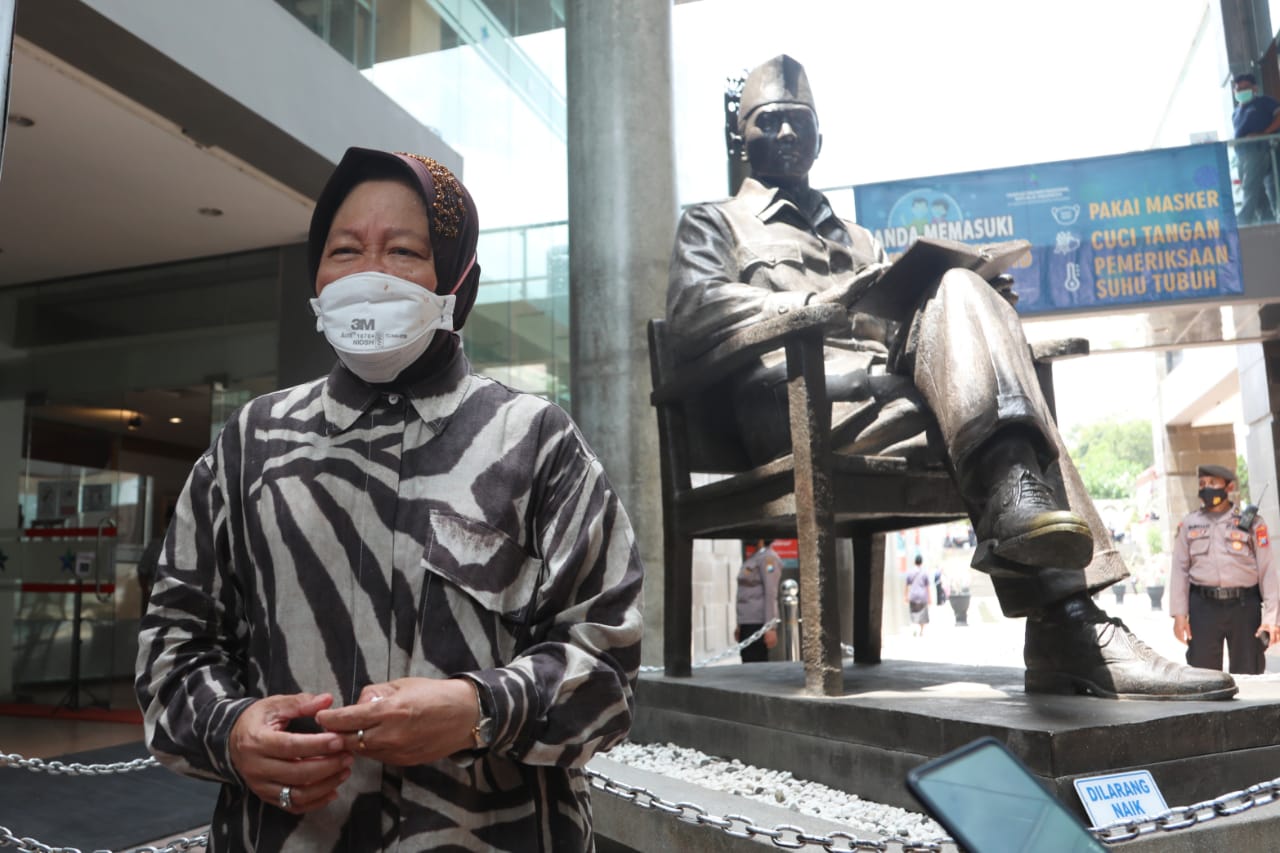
(898, 714)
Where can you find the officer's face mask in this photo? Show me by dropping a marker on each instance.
(1244, 96)
(379, 324)
(1211, 498)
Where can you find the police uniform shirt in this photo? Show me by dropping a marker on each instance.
(1210, 550)
(758, 587)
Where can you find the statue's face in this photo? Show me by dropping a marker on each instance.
(782, 141)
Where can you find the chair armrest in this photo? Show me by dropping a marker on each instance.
(1057, 350)
(740, 348)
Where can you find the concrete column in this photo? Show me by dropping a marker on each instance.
(1257, 405)
(1187, 448)
(1246, 29)
(11, 444)
(622, 212)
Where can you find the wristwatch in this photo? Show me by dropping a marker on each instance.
(482, 731)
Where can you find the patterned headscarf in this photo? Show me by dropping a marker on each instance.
(451, 214)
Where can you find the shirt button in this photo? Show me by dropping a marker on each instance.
(393, 399)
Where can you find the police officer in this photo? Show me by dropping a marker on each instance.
(758, 600)
(1223, 587)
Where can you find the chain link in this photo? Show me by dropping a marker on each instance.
(57, 768)
(729, 652)
(1185, 817)
(26, 844)
(792, 837)
(786, 836)
(31, 845)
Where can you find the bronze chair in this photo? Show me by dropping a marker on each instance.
(812, 494)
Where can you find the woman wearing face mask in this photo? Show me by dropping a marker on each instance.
(1223, 587)
(398, 607)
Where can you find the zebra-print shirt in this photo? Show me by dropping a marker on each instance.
(336, 535)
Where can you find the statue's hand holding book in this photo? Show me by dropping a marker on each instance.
(894, 292)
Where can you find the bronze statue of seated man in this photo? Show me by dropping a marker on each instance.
(950, 383)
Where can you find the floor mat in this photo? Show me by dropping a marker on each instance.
(116, 812)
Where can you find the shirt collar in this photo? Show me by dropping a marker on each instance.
(768, 203)
(435, 399)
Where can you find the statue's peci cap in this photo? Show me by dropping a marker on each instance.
(1220, 471)
(781, 80)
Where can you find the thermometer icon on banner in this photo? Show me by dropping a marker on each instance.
(1072, 283)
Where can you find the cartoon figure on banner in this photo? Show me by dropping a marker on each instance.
(922, 208)
(919, 213)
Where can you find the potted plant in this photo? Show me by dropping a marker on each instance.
(958, 581)
(1156, 570)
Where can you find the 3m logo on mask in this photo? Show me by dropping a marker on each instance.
(362, 324)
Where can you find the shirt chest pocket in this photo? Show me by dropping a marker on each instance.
(479, 594)
(1238, 542)
(1197, 541)
(774, 266)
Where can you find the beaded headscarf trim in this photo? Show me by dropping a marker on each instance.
(447, 204)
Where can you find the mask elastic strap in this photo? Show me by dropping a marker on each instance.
(471, 263)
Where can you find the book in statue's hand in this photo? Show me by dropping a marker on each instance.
(896, 294)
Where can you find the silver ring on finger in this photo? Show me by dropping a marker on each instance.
(286, 797)
(360, 738)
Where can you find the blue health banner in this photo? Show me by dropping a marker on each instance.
(1153, 226)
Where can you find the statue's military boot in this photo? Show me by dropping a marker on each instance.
(1079, 649)
(1025, 523)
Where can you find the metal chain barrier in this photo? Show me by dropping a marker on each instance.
(26, 844)
(785, 835)
(729, 652)
(793, 837)
(30, 845)
(1185, 817)
(57, 768)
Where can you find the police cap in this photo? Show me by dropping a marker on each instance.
(1220, 471)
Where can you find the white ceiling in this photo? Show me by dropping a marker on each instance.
(100, 183)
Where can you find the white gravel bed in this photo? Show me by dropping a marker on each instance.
(777, 788)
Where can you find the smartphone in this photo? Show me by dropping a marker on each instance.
(990, 803)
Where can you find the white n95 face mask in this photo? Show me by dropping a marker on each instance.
(380, 324)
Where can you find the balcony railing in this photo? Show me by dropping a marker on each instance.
(1255, 179)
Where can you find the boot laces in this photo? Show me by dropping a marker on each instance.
(1114, 625)
(1035, 491)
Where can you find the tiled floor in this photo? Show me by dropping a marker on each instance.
(48, 736)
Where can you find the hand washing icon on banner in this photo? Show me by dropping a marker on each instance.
(1066, 243)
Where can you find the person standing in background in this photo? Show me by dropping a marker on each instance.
(1223, 586)
(1255, 115)
(758, 600)
(916, 595)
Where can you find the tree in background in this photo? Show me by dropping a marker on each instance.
(1110, 455)
(1242, 480)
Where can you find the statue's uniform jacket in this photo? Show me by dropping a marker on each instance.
(964, 365)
